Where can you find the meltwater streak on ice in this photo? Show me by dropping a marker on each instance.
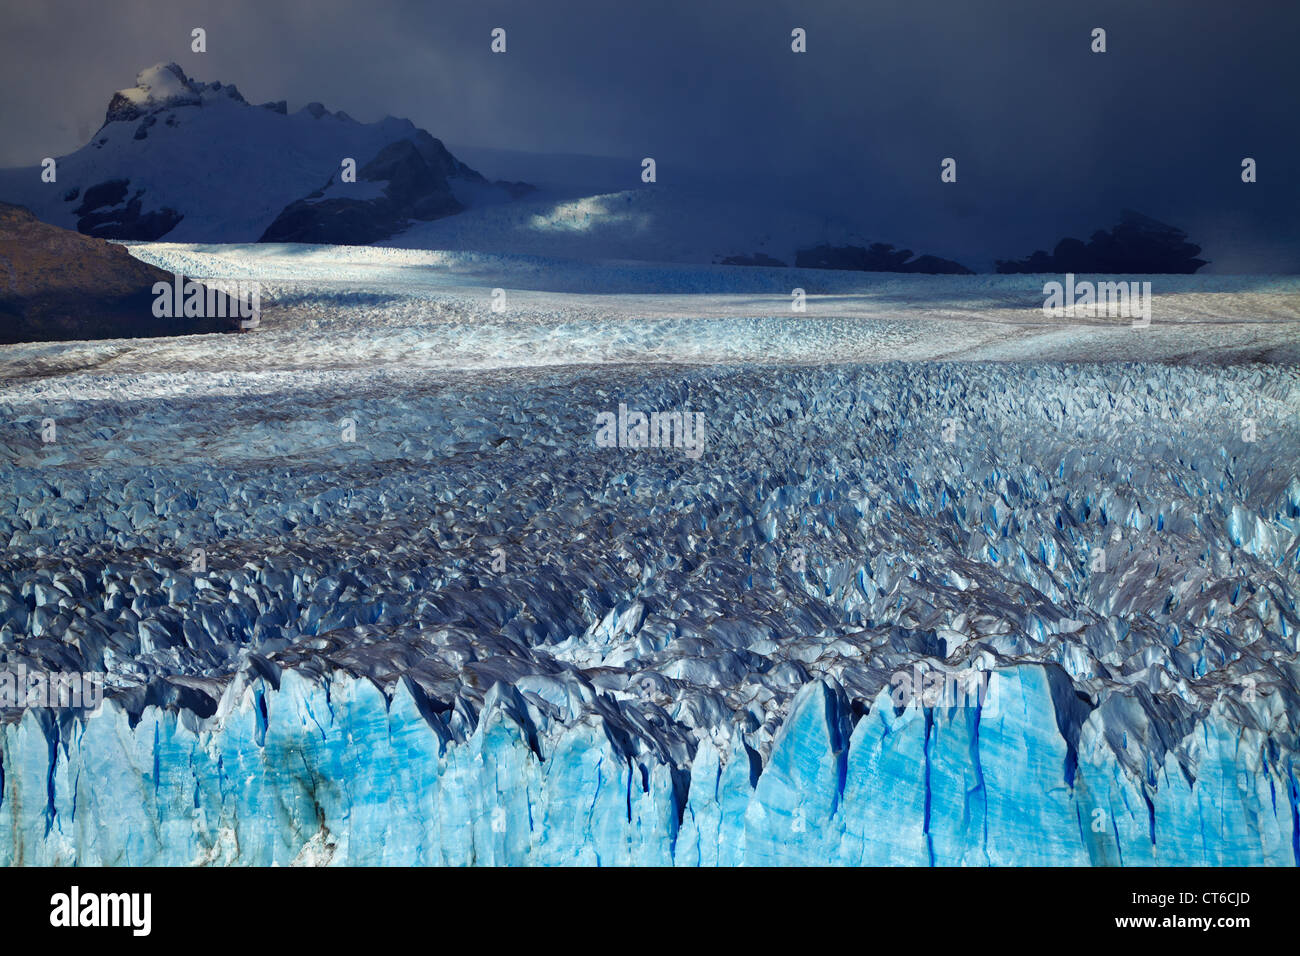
(654, 677)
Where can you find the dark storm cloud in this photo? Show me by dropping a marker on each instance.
(1049, 137)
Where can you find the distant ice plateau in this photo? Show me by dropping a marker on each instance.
(472, 636)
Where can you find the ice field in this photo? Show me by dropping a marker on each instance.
(436, 621)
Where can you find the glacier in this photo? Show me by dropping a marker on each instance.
(472, 636)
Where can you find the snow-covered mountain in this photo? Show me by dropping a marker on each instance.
(188, 161)
(195, 161)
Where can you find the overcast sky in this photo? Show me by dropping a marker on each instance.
(1047, 134)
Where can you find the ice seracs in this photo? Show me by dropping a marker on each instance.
(915, 612)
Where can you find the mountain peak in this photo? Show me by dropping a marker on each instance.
(163, 86)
